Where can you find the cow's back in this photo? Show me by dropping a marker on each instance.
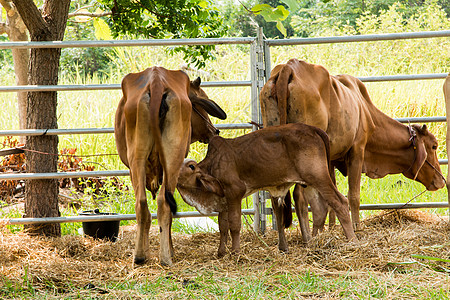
(314, 97)
(265, 157)
(133, 119)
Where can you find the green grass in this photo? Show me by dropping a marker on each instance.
(247, 285)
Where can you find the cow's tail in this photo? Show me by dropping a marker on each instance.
(156, 98)
(326, 141)
(287, 210)
(282, 92)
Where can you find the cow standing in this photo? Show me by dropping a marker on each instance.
(362, 138)
(271, 159)
(447, 108)
(160, 114)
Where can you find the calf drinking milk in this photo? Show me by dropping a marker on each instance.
(271, 159)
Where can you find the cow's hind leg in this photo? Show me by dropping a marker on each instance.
(318, 178)
(319, 209)
(339, 203)
(331, 213)
(164, 222)
(143, 216)
(278, 210)
(175, 141)
(301, 209)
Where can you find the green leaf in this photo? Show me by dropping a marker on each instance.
(430, 258)
(294, 5)
(102, 30)
(203, 4)
(258, 8)
(282, 11)
(269, 13)
(281, 28)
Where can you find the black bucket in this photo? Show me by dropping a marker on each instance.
(101, 229)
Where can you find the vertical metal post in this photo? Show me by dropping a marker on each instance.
(258, 74)
(268, 69)
(254, 116)
(267, 63)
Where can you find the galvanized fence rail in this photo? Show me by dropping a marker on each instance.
(260, 69)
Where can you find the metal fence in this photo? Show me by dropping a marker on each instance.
(260, 67)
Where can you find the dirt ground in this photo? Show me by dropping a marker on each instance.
(390, 242)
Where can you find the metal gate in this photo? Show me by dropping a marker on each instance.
(260, 66)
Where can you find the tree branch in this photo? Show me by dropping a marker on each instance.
(4, 28)
(6, 5)
(31, 16)
(88, 14)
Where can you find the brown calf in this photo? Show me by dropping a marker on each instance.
(271, 159)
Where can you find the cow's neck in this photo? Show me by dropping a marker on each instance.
(218, 152)
(389, 149)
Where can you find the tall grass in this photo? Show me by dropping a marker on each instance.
(82, 109)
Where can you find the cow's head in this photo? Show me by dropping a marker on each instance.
(202, 128)
(425, 166)
(199, 189)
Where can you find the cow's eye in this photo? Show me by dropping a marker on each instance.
(192, 167)
(434, 147)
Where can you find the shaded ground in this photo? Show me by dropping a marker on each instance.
(391, 250)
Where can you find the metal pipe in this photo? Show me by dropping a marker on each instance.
(403, 77)
(359, 38)
(59, 175)
(383, 206)
(101, 87)
(118, 217)
(73, 219)
(129, 43)
(404, 205)
(36, 132)
(240, 83)
(422, 119)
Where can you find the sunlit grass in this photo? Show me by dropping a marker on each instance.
(96, 109)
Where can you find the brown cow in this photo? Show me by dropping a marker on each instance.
(153, 130)
(447, 108)
(362, 138)
(271, 159)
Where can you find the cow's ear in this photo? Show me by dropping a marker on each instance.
(211, 185)
(421, 129)
(197, 82)
(211, 107)
(424, 129)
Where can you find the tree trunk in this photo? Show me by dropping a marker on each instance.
(41, 196)
(17, 31)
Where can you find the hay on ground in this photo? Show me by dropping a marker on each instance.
(388, 241)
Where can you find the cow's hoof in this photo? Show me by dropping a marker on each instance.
(139, 260)
(284, 251)
(353, 240)
(358, 226)
(166, 262)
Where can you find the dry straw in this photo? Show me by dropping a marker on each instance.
(387, 245)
